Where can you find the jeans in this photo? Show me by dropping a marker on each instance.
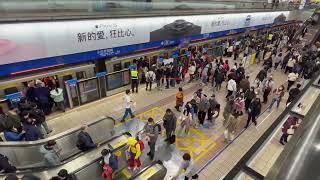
(265, 95)
(158, 83)
(44, 128)
(201, 116)
(152, 146)
(251, 118)
(275, 99)
(284, 138)
(148, 83)
(218, 86)
(61, 106)
(126, 113)
(134, 84)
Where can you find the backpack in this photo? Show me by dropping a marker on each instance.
(141, 145)
(157, 126)
(107, 171)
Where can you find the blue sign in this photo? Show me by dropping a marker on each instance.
(14, 96)
(160, 60)
(174, 56)
(72, 82)
(101, 74)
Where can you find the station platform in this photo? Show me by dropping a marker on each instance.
(204, 145)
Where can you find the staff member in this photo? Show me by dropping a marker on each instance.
(134, 79)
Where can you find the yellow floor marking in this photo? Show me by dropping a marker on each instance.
(126, 173)
(205, 152)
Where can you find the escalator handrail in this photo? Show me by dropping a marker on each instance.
(67, 160)
(54, 137)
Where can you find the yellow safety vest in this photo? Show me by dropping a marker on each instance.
(134, 74)
(270, 37)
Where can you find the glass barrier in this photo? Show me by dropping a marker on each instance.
(118, 79)
(13, 8)
(88, 90)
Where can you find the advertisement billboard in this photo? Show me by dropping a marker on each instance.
(36, 40)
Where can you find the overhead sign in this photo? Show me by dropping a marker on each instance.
(36, 40)
(72, 82)
(14, 97)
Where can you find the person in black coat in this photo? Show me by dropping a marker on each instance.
(5, 166)
(85, 141)
(63, 174)
(40, 118)
(293, 93)
(254, 111)
(43, 95)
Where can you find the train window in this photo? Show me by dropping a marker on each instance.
(126, 64)
(117, 67)
(81, 75)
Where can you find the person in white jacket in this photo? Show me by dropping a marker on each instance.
(150, 77)
(292, 77)
(57, 96)
(187, 169)
(191, 71)
(231, 87)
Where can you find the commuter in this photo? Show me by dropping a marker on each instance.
(260, 77)
(128, 106)
(218, 78)
(212, 107)
(159, 76)
(134, 79)
(187, 169)
(12, 134)
(253, 111)
(278, 61)
(291, 123)
(290, 65)
(32, 132)
(244, 84)
(63, 174)
(240, 73)
(226, 66)
(292, 77)
(239, 105)
(293, 93)
(24, 105)
(175, 76)
(109, 163)
(191, 71)
(249, 95)
(40, 118)
(167, 74)
(30, 93)
(231, 87)
(13, 119)
(42, 96)
(277, 96)
(5, 165)
(267, 88)
(136, 146)
(151, 131)
(150, 77)
(50, 154)
(84, 141)
(203, 109)
(169, 123)
(179, 99)
(57, 96)
(186, 120)
(230, 125)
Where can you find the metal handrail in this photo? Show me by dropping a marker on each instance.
(54, 137)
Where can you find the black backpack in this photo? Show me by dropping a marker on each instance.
(81, 145)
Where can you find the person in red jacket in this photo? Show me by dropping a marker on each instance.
(291, 123)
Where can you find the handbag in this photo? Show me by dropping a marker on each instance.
(172, 139)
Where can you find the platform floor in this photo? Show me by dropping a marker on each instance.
(203, 144)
